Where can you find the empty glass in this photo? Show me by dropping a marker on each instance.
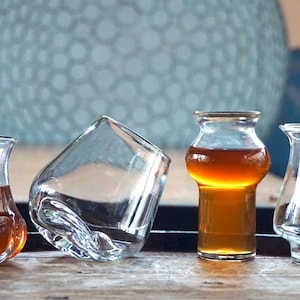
(97, 200)
(286, 221)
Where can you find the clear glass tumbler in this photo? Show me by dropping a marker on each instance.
(97, 199)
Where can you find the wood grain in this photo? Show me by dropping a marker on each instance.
(149, 275)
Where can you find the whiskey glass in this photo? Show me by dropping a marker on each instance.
(227, 160)
(98, 198)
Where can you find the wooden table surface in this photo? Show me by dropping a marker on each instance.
(149, 275)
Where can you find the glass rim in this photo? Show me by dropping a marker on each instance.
(295, 127)
(239, 115)
(8, 138)
(159, 152)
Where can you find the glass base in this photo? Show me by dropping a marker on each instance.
(227, 257)
(295, 251)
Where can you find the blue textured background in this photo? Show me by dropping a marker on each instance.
(277, 141)
(148, 64)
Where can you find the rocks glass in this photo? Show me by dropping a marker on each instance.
(97, 200)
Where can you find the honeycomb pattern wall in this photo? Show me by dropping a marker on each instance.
(148, 64)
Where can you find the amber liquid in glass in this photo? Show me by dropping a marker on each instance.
(13, 229)
(227, 181)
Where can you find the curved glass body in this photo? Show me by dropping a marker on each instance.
(227, 160)
(98, 199)
(13, 229)
(286, 220)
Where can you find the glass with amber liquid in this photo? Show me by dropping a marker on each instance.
(13, 228)
(227, 160)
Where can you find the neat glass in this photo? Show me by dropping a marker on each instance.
(97, 200)
(13, 229)
(227, 160)
(286, 221)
